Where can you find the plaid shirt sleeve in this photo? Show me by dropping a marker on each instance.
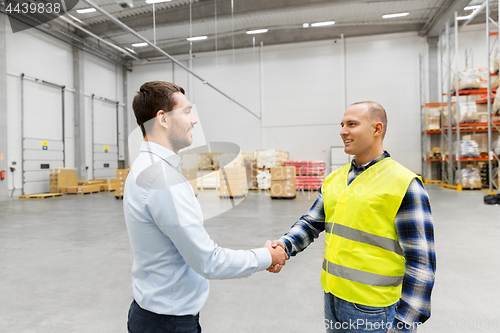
(306, 229)
(416, 236)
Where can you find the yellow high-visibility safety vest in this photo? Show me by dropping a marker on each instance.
(364, 262)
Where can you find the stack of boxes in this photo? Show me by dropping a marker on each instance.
(82, 189)
(310, 174)
(121, 176)
(60, 178)
(233, 181)
(190, 175)
(108, 185)
(283, 182)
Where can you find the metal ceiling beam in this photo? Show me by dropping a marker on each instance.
(68, 37)
(127, 28)
(205, 10)
(297, 35)
(70, 22)
(438, 23)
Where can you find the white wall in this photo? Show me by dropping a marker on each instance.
(299, 92)
(40, 56)
(385, 69)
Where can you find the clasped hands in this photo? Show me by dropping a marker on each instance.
(278, 255)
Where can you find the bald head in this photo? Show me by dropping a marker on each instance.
(376, 113)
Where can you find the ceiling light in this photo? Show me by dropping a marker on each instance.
(305, 25)
(322, 24)
(472, 7)
(156, 1)
(85, 10)
(259, 31)
(196, 38)
(395, 15)
(139, 44)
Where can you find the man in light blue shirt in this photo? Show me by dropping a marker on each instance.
(173, 254)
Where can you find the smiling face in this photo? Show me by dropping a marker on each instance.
(180, 123)
(361, 136)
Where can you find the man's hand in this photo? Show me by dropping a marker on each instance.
(276, 246)
(278, 256)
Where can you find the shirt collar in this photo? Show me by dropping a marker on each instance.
(369, 164)
(162, 152)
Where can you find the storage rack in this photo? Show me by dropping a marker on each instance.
(452, 162)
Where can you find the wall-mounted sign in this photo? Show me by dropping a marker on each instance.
(45, 145)
(106, 149)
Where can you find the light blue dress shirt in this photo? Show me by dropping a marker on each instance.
(173, 254)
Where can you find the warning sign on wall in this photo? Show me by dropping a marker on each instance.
(45, 145)
(106, 148)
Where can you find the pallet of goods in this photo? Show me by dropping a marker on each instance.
(83, 189)
(233, 182)
(309, 174)
(283, 182)
(121, 176)
(60, 178)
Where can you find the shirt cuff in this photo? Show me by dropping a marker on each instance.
(288, 246)
(263, 257)
(401, 327)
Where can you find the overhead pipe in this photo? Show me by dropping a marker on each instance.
(133, 32)
(98, 38)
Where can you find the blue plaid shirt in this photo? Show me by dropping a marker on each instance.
(415, 231)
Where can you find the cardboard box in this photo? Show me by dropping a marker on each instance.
(194, 185)
(470, 184)
(92, 182)
(283, 182)
(233, 182)
(108, 187)
(121, 176)
(80, 189)
(61, 178)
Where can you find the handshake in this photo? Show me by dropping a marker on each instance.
(278, 255)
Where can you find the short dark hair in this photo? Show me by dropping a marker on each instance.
(152, 97)
(376, 113)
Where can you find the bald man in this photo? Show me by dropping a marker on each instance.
(379, 264)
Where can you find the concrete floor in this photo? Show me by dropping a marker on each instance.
(65, 266)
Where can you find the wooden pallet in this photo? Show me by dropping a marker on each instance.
(119, 196)
(40, 196)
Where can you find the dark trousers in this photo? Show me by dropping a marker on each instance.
(143, 321)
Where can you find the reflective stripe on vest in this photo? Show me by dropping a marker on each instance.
(356, 275)
(364, 237)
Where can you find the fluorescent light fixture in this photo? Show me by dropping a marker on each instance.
(395, 15)
(85, 10)
(140, 44)
(259, 31)
(305, 25)
(196, 38)
(130, 50)
(157, 1)
(472, 7)
(322, 24)
(77, 20)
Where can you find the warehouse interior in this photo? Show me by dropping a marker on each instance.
(270, 81)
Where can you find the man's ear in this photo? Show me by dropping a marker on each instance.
(378, 129)
(162, 117)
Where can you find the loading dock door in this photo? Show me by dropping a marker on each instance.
(42, 133)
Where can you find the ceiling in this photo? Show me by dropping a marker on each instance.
(225, 23)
